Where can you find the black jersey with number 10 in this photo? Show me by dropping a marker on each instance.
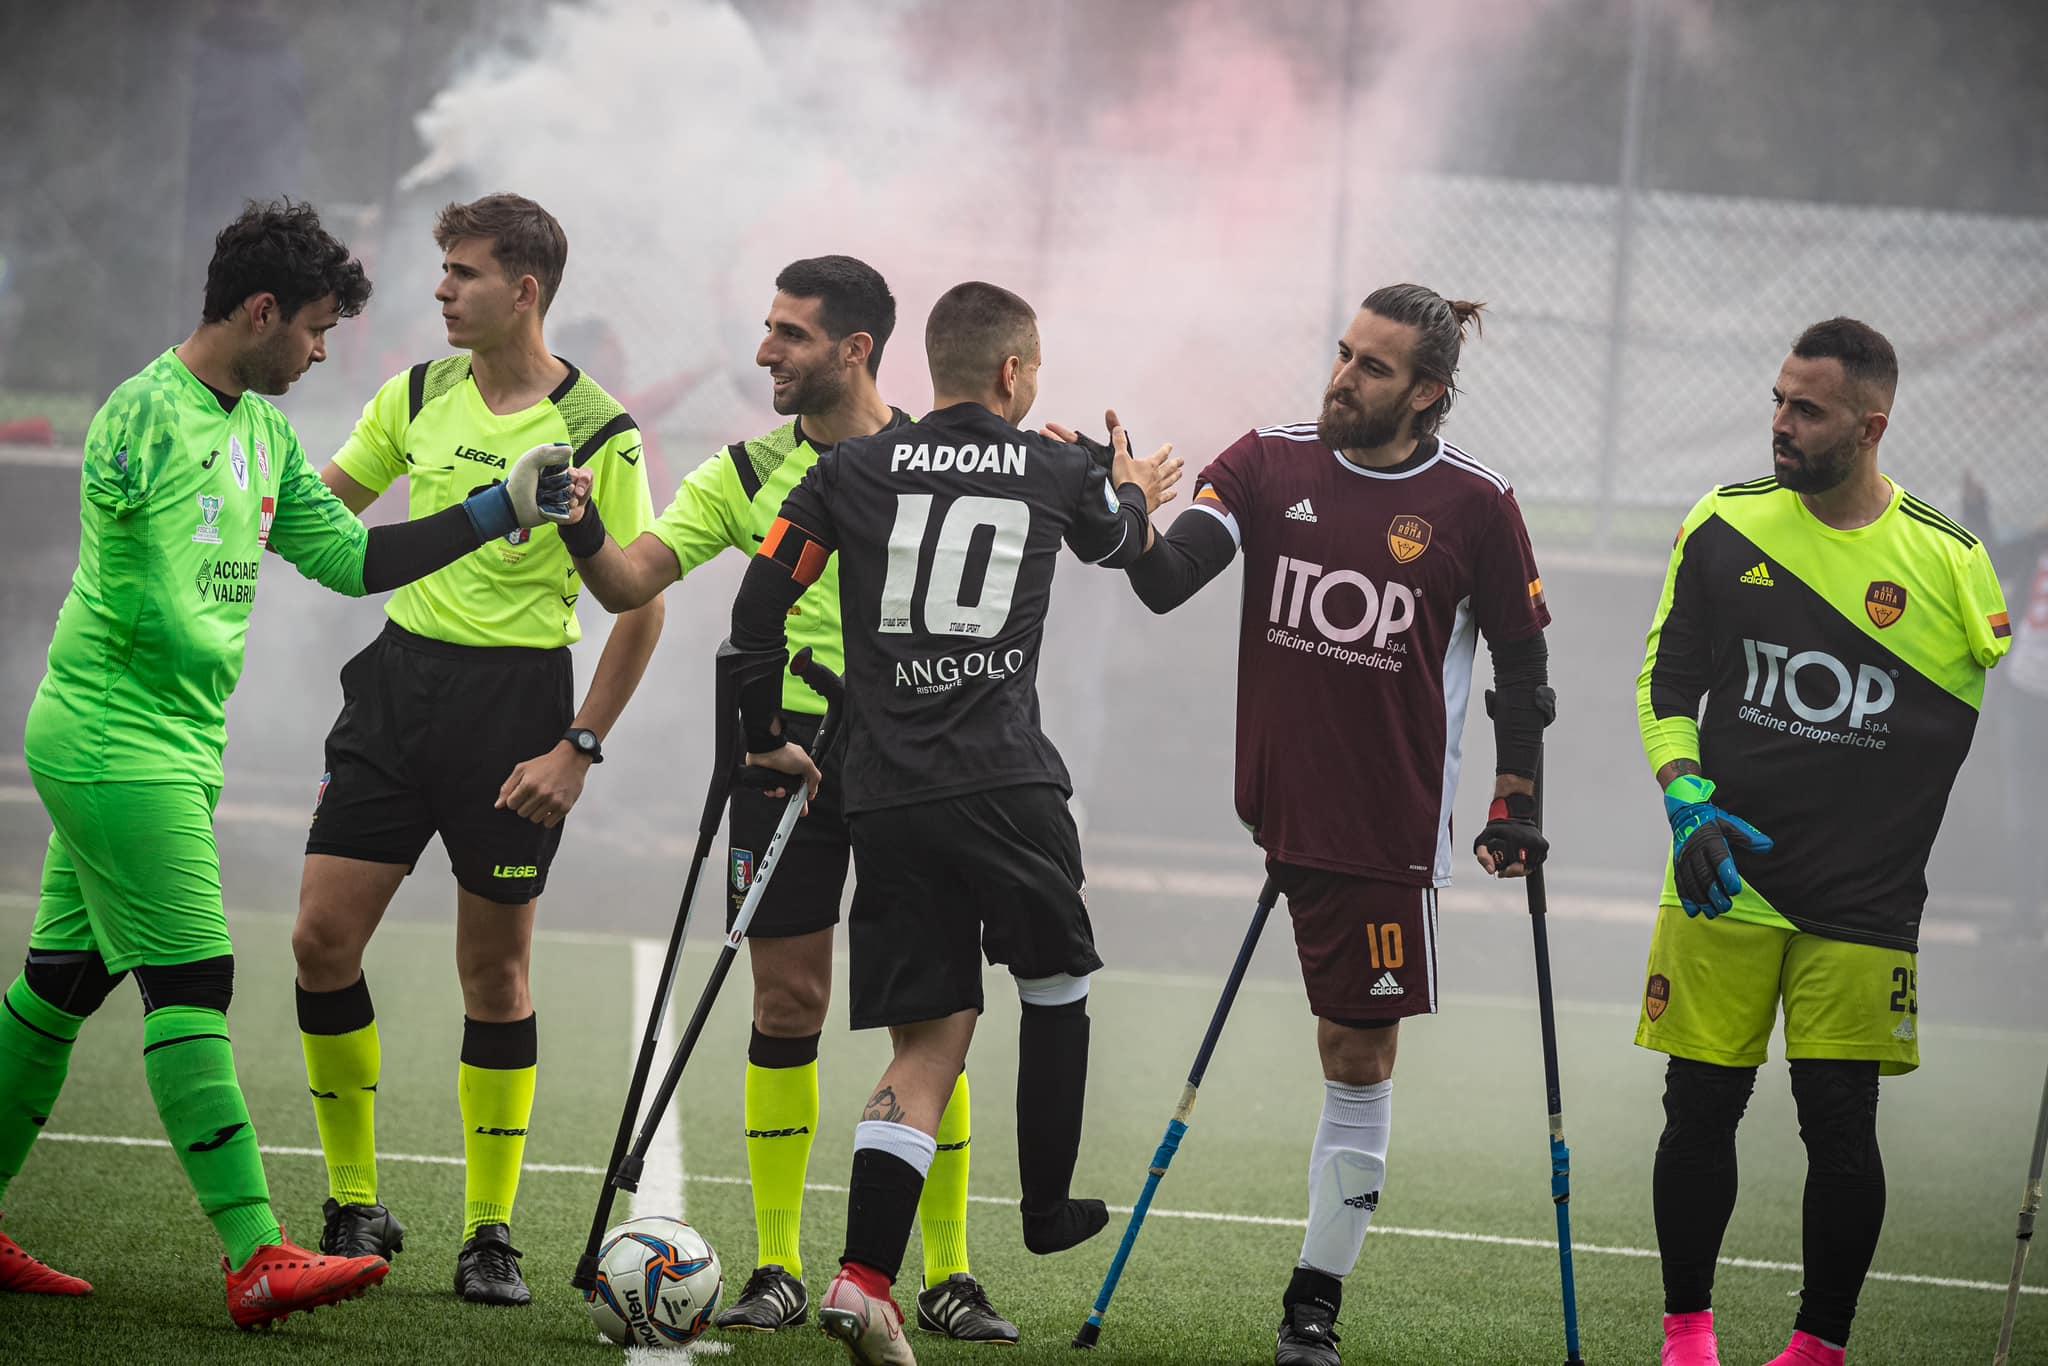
(947, 534)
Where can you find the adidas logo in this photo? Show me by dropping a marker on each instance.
(1302, 512)
(1904, 1033)
(259, 1293)
(1387, 986)
(1760, 575)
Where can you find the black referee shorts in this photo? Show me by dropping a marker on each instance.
(427, 735)
(810, 877)
(938, 885)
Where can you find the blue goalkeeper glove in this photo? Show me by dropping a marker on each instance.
(1702, 860)
(536, 489)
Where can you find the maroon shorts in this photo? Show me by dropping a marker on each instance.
(1368, 948)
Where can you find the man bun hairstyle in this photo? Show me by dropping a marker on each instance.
(279, 248)
(973, 329)
(1866, 355)
(1441, 324)
(852, 297)
(525, 238)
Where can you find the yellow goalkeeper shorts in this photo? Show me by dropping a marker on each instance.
(1713, 989)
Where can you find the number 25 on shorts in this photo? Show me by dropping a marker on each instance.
(1906, 999)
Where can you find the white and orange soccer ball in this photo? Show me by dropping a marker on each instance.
(658, 1283)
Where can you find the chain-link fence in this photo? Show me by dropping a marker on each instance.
(1616, 385)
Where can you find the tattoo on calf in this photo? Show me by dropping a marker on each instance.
(882, 1106)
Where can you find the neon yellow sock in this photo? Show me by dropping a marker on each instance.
(342, 1071)
(782, 1121)
(942, 1209)
(497, 1106)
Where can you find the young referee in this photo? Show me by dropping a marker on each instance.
(189, 476)
(1375, 553)
(826, 327)
(459, 720)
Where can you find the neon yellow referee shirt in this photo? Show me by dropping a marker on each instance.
(431, 425)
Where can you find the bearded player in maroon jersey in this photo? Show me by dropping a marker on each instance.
(1374, 553)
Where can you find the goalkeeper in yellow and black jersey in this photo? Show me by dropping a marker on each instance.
(1839, 631)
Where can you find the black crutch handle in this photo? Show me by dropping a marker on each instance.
(821, 679)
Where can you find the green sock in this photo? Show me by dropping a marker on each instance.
(35, 1053)
(942, 1209)
(191, 1070)
(496, 1088)
(782, 1122)
(344, 1060)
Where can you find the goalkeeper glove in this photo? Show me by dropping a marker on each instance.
(536, 490)
(1702, 859)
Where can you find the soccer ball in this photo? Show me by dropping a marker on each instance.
(658, 1283)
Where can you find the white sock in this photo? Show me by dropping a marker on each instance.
(914, 1146)
(1346, 1169)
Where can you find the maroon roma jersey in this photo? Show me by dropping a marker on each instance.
(1364, 591)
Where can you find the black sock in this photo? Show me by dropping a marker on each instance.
(880, 1208)
(1052, 1087)
(1843, 1209)
(1310, 1286)
(1693, 1184)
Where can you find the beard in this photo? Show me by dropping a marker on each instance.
(268, 369)
(1343, 426)
(811, 393)
(1817, 471)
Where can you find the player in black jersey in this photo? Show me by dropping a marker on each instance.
(947, 533)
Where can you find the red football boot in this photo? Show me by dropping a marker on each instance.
(281, 1279)
(24, 1275)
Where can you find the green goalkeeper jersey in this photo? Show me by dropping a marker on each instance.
(731, 500)
(430, 425)
(179, 498)
(1842, 673)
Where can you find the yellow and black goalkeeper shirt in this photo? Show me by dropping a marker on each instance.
(1843, 672)
(431, 425)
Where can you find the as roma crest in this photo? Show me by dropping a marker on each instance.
(1656, 996)
(1408, 537)
(1886, 602)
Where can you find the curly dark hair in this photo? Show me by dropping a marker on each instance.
(280, 248)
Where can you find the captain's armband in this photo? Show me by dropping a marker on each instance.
(797, 550)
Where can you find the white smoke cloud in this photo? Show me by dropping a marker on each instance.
(1171, 222)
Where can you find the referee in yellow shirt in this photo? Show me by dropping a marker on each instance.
(459, 720)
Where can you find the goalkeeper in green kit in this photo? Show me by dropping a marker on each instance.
(189, 476)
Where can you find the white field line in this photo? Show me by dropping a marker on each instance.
(661, 1179)
(1440, 1235)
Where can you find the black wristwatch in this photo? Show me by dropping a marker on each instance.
(586, 743)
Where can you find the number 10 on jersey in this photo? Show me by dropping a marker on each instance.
(1001, 525)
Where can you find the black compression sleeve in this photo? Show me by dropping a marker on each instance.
(760, 613)
(1131, 513)
(1194, 550)
(1521, 703)
(403, 551)
(586, 537)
